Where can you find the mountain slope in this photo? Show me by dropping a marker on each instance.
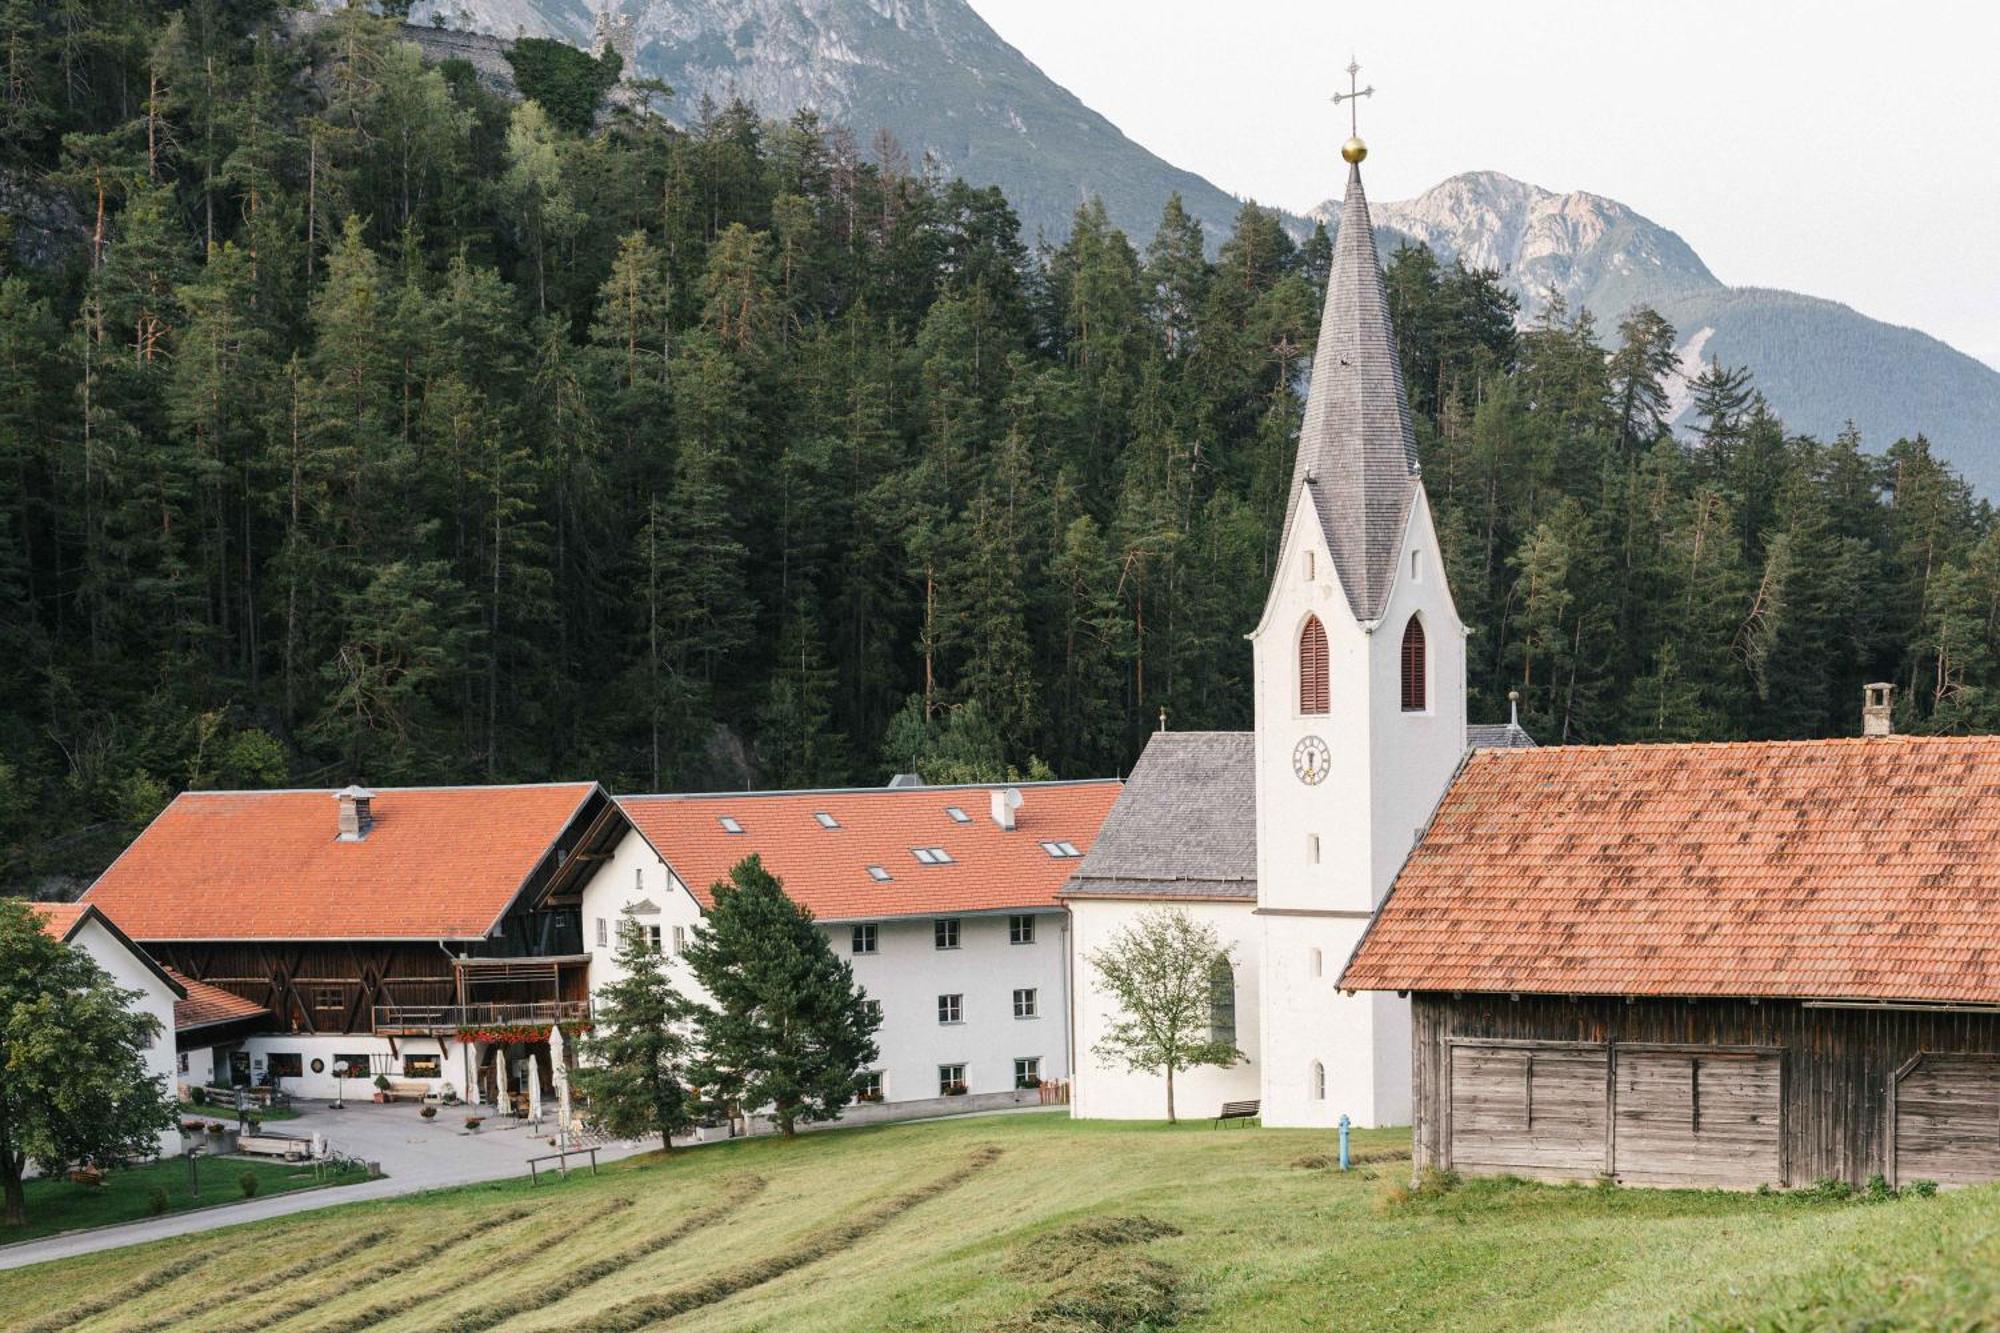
(1819, 363)
(929, 71)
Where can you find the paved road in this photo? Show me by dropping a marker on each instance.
(415, 1155)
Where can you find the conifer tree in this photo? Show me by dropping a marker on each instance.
(786, 1029)
(638, 1056)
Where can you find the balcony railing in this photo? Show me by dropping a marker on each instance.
(426, 1018)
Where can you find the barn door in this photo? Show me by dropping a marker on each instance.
(1698, 1117)
(1948, 1120)
(1528, 1109)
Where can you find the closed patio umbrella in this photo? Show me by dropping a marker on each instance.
(500, 1079)
(534, 1087)
(559, 1076)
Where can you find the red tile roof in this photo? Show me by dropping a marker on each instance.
(58, 919)
(1843, 869)
(826, 869)
(439, 863)
(206, 1005)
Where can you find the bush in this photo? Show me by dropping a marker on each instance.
(1922, 1189)
(473, 1122)
(428, 1112)
(248, 1183)
(156, 1200)
(198, 1095)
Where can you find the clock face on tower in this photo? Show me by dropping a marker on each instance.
(1310, 759)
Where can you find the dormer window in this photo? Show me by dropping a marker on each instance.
(825, 820)
(729, 824)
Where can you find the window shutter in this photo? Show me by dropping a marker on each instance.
(1313, 693)
(1413, 667)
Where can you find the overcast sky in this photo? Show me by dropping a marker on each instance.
(1845, 150)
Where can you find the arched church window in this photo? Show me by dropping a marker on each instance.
(1318, 1081)
(1316, 962)
(1222, 1001)
(1313, 693)
(1414, 700)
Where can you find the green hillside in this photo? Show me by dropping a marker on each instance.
(1038, 1222)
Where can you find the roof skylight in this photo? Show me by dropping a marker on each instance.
(958, 816)
(729, 824)
(879, 875)
(931, 856)
(825, 820)
(1061, 850)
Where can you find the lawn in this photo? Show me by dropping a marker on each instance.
(126, 1194)
(1037, 1223)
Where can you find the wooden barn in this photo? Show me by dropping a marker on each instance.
(1706, 965)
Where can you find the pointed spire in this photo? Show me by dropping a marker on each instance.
(1357, 451)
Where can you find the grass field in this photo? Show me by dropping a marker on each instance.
(1035, 1222)
(126, 1194)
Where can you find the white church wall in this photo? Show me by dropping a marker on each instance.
(1328, 852)
(1110, 1092)
(155, 1000)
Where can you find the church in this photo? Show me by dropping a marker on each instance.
(1287, 838)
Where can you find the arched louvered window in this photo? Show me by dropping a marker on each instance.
(1318, 1081)
(1414, 695)
(1313, 695)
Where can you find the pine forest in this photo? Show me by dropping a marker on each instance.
(357, 423)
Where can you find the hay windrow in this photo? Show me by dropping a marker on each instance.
(1065, 1250)
(817, 1245)
(249, 1290)
(401, 1263)
(111, 1300)
(1323, 1161)
(741, 1190)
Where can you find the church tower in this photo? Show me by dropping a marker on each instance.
(1360, 705)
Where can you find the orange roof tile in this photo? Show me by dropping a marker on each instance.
(438, 863)
(826, 869)
(1842, 869)
(206, 1005)
(58, 919)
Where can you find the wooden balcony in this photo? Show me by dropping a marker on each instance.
(416, 1020)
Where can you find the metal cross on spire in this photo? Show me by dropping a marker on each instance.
(1353, 94)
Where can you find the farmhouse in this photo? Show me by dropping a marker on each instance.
(389, 932)
(1723, 964)
(82, 926)
(942, 898)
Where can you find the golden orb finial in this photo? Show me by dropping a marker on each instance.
(1353, 150)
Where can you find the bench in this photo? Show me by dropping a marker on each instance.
(275, 1145)
(1238, 1111)
(561, 1160)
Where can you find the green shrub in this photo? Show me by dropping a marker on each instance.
(248, 1182)
(156, 1200)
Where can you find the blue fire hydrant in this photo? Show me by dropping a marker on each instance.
(1344, 1122)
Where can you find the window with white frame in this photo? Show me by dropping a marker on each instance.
(874, 1008)
(951, 1008)
(868, 1086)
(1021, 929)
(603, 933)
(1316, 962)
(1025, 1003)
(951, 1080)
(1028, 1071)
(182, 1060)
(651, 935)
(1318, 1081)
(945, 932)
(863, 939)
(680, 940)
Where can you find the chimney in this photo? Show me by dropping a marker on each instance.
(355, 817)
(1878, 700)
(1005, 803)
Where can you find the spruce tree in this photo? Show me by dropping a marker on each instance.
(786, 1029)
(637, 1058)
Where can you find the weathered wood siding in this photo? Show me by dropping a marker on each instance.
(323, 987)
(1794, 1092)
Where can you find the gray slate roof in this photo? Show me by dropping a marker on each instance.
(1185, 826)
(1357, 449)
(1497, 736)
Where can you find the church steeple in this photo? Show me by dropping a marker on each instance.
(1357, 450)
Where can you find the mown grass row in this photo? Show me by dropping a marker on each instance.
(739, 1191)
(310, 1266)
(431, 1249)
(385, 1310)
(138, 1287)
(641, 1311)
